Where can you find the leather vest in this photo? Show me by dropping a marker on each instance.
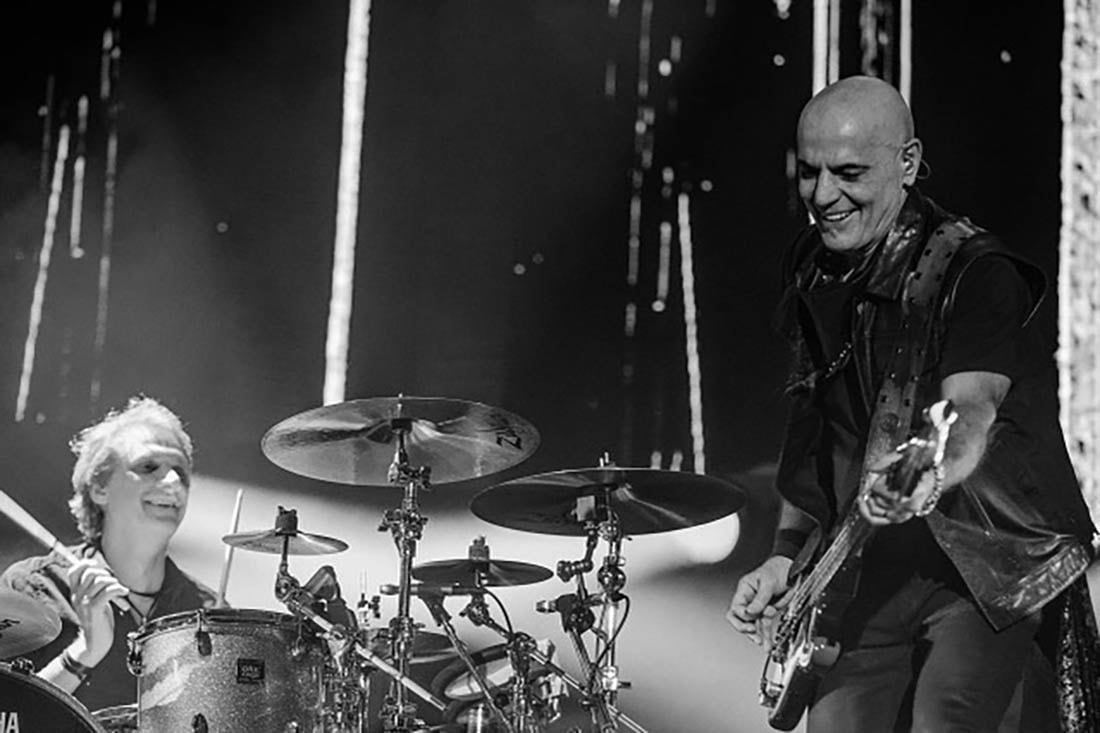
(1017, 530)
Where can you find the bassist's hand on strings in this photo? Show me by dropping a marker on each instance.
(759, 597)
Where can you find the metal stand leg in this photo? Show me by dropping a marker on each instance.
(443, 619)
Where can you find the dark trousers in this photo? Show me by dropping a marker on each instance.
(918, 654)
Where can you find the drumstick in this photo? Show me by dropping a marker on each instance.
(220, 603)
(35, 529)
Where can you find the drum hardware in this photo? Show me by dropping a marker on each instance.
(443, 620)
(542, 689)
(301, 602)
(473, 576)
(611, 504)
(408, 442)
(602, 682)
(406, 526)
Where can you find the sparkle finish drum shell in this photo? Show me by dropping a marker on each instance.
(228, 670)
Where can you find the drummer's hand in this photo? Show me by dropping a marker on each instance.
(93, 587)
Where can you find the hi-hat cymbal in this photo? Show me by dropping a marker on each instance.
(25, 624)
(298, 543)
(354, 442)
(468, 572)
(645, 500)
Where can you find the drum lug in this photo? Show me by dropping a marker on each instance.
(202, 643)
(202, 636)
(22, 665)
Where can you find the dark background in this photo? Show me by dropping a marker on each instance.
(490, 143)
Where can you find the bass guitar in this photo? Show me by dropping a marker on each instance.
(804, 643)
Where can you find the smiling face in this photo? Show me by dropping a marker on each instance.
(855, 155)
(148, 487)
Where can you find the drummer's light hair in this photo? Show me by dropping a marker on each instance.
(96, 456)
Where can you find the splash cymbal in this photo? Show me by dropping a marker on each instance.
(25, 624)
(645, 500)
(493, 573)
(298, 543)
(354, 442)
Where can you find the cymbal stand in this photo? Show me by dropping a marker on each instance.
(577, 618)
(407, 526)
(300, 601)
(600, 522)
(520, 652)
(434, 602)
(611, 579)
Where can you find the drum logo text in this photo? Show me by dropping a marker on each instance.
(9, 722)
(249, 672)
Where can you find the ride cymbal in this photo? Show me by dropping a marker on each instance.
(298, 543)
(492, 573)
(645, 500)
(25, 624)
(354, 442)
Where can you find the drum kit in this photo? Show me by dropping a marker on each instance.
(313, 668)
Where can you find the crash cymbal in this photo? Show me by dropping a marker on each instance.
(354, 442)
(270, 541)
(25, 624)
(645, 500)
(467, 572)
(428, 646)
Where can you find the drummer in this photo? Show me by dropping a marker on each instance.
(130, 488)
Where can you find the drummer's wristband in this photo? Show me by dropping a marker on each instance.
(73, 667)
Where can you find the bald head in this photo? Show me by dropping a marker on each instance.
(860, 105)
(856, 155)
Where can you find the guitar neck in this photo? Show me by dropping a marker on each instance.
(850, 538)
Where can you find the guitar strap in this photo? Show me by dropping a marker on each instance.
(895, 402)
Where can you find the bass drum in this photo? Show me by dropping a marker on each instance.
(29, 703)
(228, 670)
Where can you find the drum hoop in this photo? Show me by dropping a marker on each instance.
(215, 618)
(69, 701)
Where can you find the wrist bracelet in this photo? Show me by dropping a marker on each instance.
(937, 491)
(73, 667)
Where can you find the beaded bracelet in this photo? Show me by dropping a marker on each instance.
(937, 491)
(73, 667)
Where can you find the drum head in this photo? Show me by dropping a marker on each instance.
(29, 703)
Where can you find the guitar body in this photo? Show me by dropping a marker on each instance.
(799, 658)
(805, 643)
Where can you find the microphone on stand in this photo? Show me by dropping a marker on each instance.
(324, 589)
(575, 612)
(323, 584)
